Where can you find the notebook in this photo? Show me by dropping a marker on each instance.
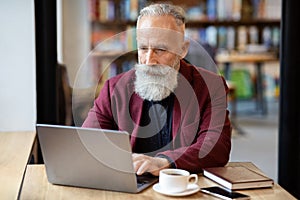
(90, 158)
(237, 177)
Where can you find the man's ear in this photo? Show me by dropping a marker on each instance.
(185, 48)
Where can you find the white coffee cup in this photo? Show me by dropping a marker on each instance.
(176, 180)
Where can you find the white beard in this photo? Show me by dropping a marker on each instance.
(155, 83)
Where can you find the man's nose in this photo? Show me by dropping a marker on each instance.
(150, 57)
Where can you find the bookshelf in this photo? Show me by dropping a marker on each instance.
(227, 25)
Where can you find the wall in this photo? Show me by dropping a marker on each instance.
(17, 66)
(73, 35)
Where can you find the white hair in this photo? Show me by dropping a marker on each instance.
(164, 9)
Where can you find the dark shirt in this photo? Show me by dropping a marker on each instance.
(155, 133)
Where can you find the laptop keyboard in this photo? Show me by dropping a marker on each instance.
(145, 179)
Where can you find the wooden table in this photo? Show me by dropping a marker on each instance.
(36, 186)
(258, 60)
(15, 150)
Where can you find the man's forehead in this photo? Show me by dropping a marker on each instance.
(160, 37)
(159, 34)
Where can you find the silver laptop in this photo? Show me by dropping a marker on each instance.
(90, 158)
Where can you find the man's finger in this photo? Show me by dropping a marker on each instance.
(145, 165)
(137, 164)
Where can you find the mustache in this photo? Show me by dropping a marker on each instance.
(157, 70)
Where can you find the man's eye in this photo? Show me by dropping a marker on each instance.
(160, 50)
(143, 48)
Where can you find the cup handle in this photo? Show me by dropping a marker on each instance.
(193, 179)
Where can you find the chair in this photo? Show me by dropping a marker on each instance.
(64, 92)
(233, 101)
(232, 97)
(64, 102)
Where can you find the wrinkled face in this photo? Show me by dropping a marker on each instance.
(160, 41)
(160, 47)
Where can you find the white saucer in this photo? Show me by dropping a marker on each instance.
(192, 188)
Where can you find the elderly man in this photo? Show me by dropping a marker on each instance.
(176, 113)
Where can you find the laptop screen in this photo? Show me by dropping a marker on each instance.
(86, 157)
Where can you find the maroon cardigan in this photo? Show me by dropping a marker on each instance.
(201, 128)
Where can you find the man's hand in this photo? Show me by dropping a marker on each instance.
(143, 163)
